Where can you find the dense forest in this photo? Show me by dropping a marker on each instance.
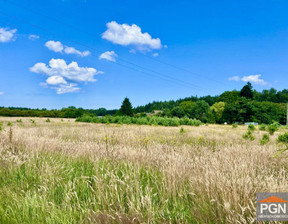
(231, 106)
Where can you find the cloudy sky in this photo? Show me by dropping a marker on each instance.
(92, 54)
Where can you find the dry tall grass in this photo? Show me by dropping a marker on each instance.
(206, 174)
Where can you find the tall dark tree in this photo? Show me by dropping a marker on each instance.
(126, 108)
(247, 91)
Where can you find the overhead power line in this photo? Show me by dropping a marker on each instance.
(159, 75)
(91, 35)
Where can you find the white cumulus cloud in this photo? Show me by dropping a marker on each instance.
(126, 35)
(109, 56)
(62, 74)
(72, 71)
(72, 50)
(254, 79)
(55, 46)
(7, 35)
(58, 47)
(251, 78)
(55, 80)
(67, 88)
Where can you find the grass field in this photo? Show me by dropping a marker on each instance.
(67, 172)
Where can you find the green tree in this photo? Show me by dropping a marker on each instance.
(200, 110)
(217, 109)
(247, 91)
(126, 108)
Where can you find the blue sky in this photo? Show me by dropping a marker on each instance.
(92, 54)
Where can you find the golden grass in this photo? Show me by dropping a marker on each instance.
(213, 164)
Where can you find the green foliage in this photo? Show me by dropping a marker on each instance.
(47, 120)
(126, 108)
(251, 127)
(249, 135)
(246, 91)
(9, 123)
(263, 127)
(283, 140)
(154, 120)
(19, 121)
(182, 130)
(265, 139)
(231, 106)
(235, 125)
(1, 125)
(77, 186)
(272, 128)
(218, 109)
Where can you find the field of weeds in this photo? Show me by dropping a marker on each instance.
(60, 171)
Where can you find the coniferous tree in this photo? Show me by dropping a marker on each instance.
(247, 91)
(126, 108)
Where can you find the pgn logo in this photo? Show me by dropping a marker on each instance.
(272, 207)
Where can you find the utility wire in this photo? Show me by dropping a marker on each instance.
(83, 31)
(159, 75)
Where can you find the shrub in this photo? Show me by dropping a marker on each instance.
(272, 128)
(164, 121)
(19, 121)
(47, 120)
(283, 140)
(9, 123)
(251, 127)
(1, 126)
(249, 135)
(182, 130)
(265, 139)
(234, 125)
(262, 127)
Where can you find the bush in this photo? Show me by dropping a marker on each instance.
(47, 120)
(262, 127)
(1, 126)
(182, 130)
(283, 140)
(9, 123)
(265, 139)
(164, 121)
(248, 135)
(234, 125)
(251, 127)
(272, 128)
(19, 121)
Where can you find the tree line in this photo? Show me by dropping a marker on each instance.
(235, 106)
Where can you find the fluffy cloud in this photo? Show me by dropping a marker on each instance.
(251, 78)
(57, 46)
(109, 56)
(7, 35)
(1, 93)
(33, 37)
(55, 80)
(62, 74)
(72, 50)
(155, 54)
(67, 88)
(58, 67)
(126, 35)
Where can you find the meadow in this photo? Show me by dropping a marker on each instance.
(62, 171)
